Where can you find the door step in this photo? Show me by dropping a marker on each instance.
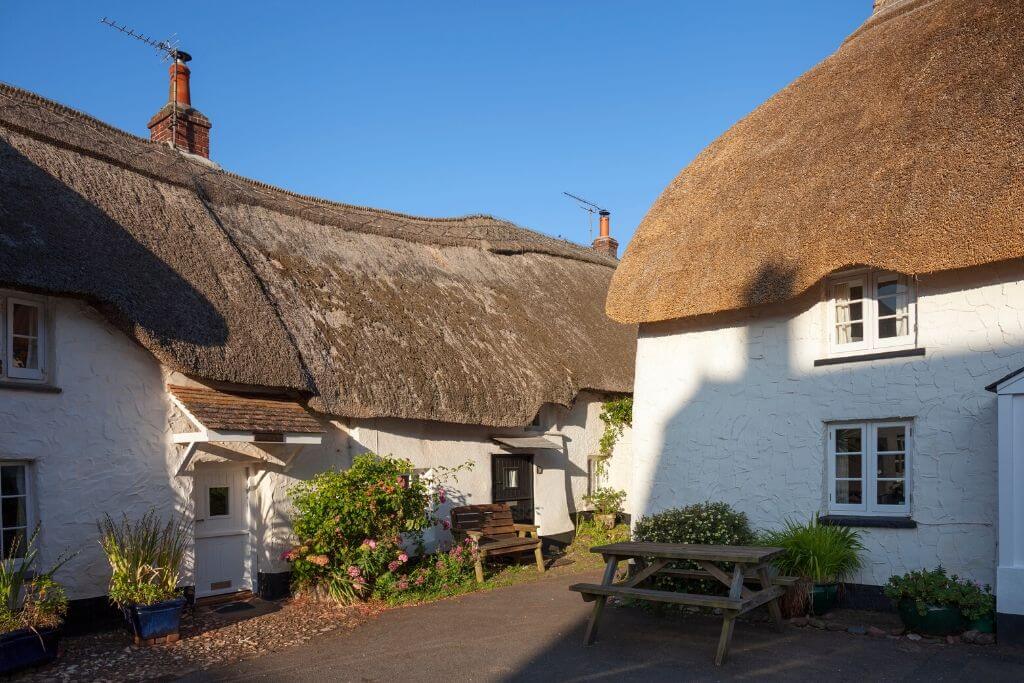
(240, 596)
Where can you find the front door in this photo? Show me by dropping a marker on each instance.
(512, 483)
(222, 530)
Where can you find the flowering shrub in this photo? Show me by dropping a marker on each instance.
(934, 587)
(353, 525)
(350, 525)
(442, 573)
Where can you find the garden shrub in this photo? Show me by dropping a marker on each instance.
(710, 523)
(935, 587)
(353, 526)
(443, 573)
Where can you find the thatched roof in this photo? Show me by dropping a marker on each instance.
(372, 313)
(901, 151)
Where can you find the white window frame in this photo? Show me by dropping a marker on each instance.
(868, 280)
(869, 469)
(9, 370)
(30, 517)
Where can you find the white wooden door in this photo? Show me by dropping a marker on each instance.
(223, 553)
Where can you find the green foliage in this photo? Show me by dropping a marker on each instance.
(936, 588)
(606, 501)
(616, 414)
(31, 599)
(711, 523)
(590, 533)
(442, 574)
(145, 557)
(817, 552)
(352, 524)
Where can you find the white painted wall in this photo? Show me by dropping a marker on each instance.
(733, 409)
(103, 445)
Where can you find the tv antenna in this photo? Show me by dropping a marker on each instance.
(588, 206)
(169, 53)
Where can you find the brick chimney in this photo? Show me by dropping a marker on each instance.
(605, 243)
(178, 123)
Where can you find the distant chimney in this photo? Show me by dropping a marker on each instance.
(605, 243)
(178, 123)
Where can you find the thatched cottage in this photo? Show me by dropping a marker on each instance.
(180, 337)
(824, 293)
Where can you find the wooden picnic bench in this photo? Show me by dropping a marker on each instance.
(495, 533)
(749, 564)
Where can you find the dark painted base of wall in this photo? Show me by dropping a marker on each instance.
(92, 615)
(863, 596)
(273, 586)
(1010, 629)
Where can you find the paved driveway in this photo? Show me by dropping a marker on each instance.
(534, 632)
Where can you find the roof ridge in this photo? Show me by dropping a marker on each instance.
(527, 234)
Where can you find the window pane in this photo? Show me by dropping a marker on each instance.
(12, 480)
(25, 352)
(12, 512)
(891, 493)
(888, 287)
(512, 478)
(857, 311)
(219, 501)
(848, 440)
(848, 492)
(891, 466)
(857, 332)
(848, 466)
(856, 292)
(12, 537)
(892, 439)
(25, 319)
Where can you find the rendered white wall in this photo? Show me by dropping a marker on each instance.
(733, 409)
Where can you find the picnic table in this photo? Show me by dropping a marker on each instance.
(748, 564)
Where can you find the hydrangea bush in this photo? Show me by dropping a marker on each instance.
(444, 573)
(354, 525)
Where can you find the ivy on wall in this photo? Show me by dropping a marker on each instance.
(617, 414)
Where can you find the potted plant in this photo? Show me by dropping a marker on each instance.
(934, 603)
(145, 558)
(607, 504)
(821, 556)
(33, 607)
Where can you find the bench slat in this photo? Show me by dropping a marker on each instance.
(747, 576)
(660, 596)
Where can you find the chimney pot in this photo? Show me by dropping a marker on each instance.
(605, 243)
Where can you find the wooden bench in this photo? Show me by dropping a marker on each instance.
(495, 533)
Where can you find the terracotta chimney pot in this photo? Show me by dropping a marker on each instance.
(605, 243)
(178, 123)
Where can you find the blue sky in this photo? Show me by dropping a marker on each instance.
(441, 108)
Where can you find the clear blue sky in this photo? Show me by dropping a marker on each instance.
(440, 108)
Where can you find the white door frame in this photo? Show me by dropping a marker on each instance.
(250, 515)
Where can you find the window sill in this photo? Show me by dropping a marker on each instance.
(879, 355)
(30, 386)
(868, 521)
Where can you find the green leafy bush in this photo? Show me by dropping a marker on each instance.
(606, 501)
(935, 587)
(816, 552)
(709, 523)
(440, 574)
(617, 414)
(31, 599)
(353, 524)
(145, 557)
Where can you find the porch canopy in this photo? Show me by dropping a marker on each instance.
(267, 430)
(532, 442)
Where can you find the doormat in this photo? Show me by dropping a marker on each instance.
(233, 607)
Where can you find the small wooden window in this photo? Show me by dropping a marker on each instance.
(869, 468)
(14, 509)
(869, 311)
(25, 343)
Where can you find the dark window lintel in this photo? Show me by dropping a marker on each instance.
(860, 358)
(868, 521)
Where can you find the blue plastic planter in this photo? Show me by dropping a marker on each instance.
(24, 648)
(156, 620)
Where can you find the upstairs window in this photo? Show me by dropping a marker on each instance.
(24, 339)
(870, 311)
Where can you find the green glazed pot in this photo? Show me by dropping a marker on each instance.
(939, 620)
(824, 597)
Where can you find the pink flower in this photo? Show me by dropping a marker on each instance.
(403, 482)
(353, 571)
(439, 564)
(445, 524)
(288, 555)
(393, 565)
(403, 558)
(420, 579)
(370, 543)
(442, 495)
(402, 585)
(318, 560)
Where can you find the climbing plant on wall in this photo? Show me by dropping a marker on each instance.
(617, 414)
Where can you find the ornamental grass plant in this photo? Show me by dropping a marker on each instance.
(31, 599)
(145, 557)
(819, 553)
